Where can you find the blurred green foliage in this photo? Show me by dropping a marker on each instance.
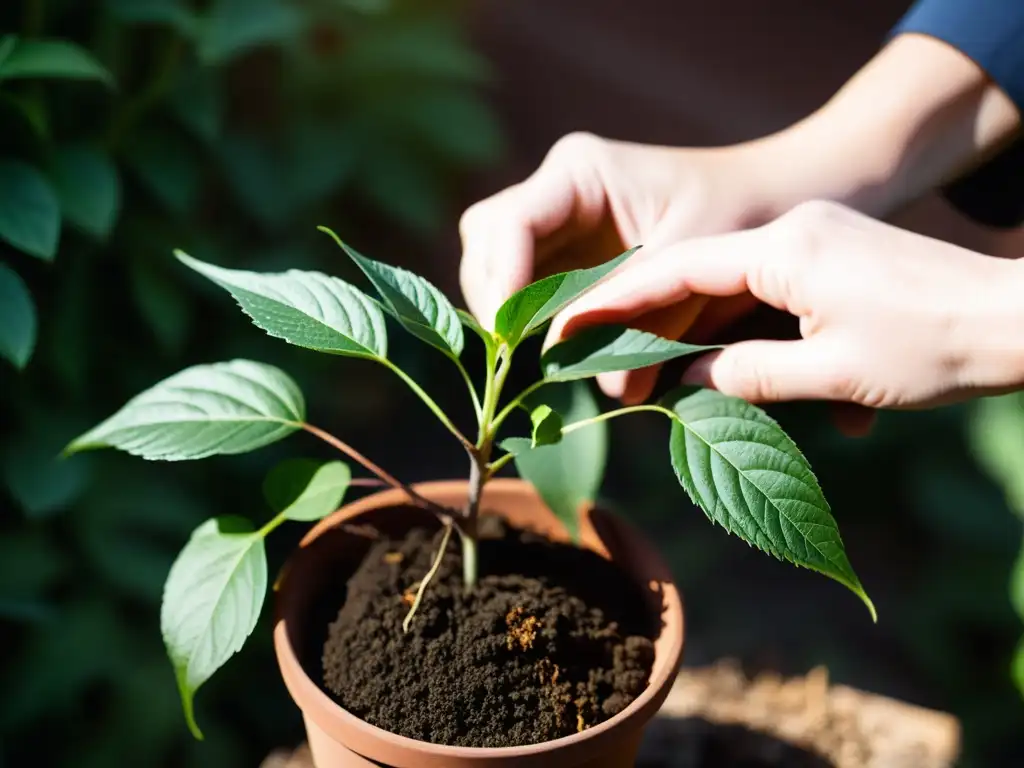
(230, 128)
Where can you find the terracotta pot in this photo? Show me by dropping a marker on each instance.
(334, 548)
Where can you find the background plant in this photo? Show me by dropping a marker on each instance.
(733, 460)
(126, 127)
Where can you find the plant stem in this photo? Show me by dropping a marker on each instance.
(442, 417)
(612, 414)
(497, 464)
(420, 501)
(477, 408)
(516, 402)
(271, 525)
(430, 575)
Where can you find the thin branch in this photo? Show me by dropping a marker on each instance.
(430, 575)
(498, 463)
(477, 407)
(516, 402)
(429, 401)
(444, 513)
(568, 428)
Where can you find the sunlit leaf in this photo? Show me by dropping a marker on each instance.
(420, 307)
(308, 309)
(212, 600)
(224, 408)
(306, 490)
(526, 311)
(748, 476)
(610, 348)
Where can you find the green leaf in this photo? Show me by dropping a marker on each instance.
(996, 433)
(1017, 584)
(212, 600)
(306, 490)
(29, 210)
(17, 318)
(568, 474)
(610, 348)
(547, 426)
(88, 188)
(420, 307)
(59, 59)
(526, 311)
(748, 476)
(308, 309)
(236, 26)
(174, 13)
(205, 410)
(167, 165)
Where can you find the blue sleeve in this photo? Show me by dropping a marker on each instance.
(991, 33)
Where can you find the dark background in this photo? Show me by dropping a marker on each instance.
(383, 119)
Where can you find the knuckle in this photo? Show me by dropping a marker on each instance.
(472, 217)
(576, 147)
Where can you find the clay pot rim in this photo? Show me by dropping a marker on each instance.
(311, 696)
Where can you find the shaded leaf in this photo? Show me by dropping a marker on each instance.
(455, 121)
(748, 476)
(420, 307)
(205, 410)
(567, 475)
(547, 426)
(233, 27)
(88, 188)
(29, 210)
(212, 600)
(306, 490)
(527, 310)
(167, 166)
(174, 13)
(606, 348)
(308, 309)
(161, 303)
(17, 318)
(468, 321)
(197, 102)
(59, 59)
(996, 432)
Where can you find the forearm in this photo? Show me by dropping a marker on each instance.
(919, 114)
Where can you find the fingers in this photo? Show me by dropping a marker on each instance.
(500, 234)
(771, 371)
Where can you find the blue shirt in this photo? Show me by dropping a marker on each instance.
(991, 32)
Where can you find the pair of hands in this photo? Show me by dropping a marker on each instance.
(888, 319)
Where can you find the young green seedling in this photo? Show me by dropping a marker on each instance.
(734, 461)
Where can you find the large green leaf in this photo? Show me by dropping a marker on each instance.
(17, 318)
(22, 59)
(88, 188)
(212, 599)
(235, 26)
(526, 311)
(308, 309)
(223, 408)
(610, 348)
(737, 464)
(29, 210)
(420, 307)
(306, 490)
(567, 474)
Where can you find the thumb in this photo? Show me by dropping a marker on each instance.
(766, 371)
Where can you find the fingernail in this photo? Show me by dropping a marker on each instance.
(699, 372)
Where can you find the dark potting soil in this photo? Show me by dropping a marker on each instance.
(553, 640)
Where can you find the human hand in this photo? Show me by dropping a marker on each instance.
(593, 198)
(888, 318)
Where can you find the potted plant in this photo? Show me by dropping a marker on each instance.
(483, 620)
